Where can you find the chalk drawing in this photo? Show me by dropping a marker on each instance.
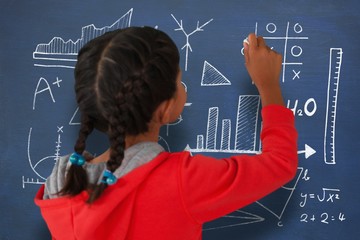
(213, 77)
(237, 218)
(75, 119)
(335, 61)
(38, 91)
(62, 54)
(46, 88)
(308, 151)
(296, 51)
(246, 129)
(328, 195)
(41, 177)
(276, 204)
(187, 46)
(280, 198)
(309, 108)
(164, 144)
(180, 119)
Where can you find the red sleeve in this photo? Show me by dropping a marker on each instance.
(212, 188)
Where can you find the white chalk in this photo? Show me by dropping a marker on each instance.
(246, 40)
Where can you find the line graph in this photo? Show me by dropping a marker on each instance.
(35, 165)
(63, 54)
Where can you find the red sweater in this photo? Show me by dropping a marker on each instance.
(175, 193)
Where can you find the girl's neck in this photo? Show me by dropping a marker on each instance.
(150, 136)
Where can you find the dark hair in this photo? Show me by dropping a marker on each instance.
(121, 78)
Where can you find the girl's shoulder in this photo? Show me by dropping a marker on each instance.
(56, 179)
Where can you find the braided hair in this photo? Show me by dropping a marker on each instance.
(121, 78)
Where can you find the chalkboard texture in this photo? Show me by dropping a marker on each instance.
(319, 41)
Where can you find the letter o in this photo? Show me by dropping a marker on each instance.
(306, 107)
(271, 27)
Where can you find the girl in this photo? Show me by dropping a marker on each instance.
(128, 84)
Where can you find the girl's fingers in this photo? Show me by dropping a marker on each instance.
(261, 42)
(246, 50)
(253, 42)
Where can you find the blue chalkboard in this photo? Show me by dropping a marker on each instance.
(319, 41)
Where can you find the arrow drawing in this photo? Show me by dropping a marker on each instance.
(309, 151)
(187, 46)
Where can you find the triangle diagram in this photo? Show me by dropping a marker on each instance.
(75, 119)
(237, 218)
(277, 202)
(213, 77)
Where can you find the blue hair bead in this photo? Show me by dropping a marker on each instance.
(77, 159)
(108, 177)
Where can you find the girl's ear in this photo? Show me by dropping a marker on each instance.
(163, 113)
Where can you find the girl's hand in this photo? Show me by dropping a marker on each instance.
(264, 66)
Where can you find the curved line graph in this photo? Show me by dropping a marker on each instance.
(29, 157)
(39, 178)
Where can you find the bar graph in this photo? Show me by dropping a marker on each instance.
(246, 123)
(245, 134)
(212, 126)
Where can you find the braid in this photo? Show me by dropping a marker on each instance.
(117, 141)
(139, 112)
(76, 179)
